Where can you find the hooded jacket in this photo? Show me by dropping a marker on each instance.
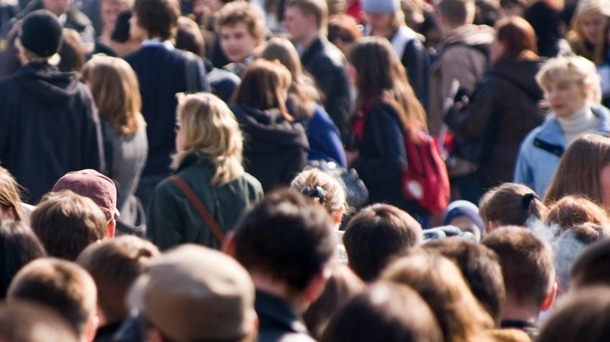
(275, 150)
(48, 126)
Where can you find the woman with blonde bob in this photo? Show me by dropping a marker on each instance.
(116, 92)
(572, 88)
(584, 170)
(209, 160)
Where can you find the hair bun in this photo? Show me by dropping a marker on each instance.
(527, 200)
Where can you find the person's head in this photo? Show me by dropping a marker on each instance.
(264, 85)
(510, 204)
(591, 267)
(465, 216)
(109, 12)
(514, 7)
(481, 269)
(289, 240)
(39, 37)
(193, 293)
(384, 312)
(57, 7)
(116, 91)
(584, 170)
(154, 19)
(10, 197)
(30, 322)
(383, 16)
(241, 28)
(66, 223)
(376, 235)
(62, 286)
(515, 39)
(574, 210)
(569, 244)
(114, 265)
(18, 246)
(455, 13)
(379, 73)
(343, 31)
(590, 20)
(206, 126)
(582, 316)
(71, 51)
(570, 83)
(189, 37)
(527, 268)
(95, 186)
(324, 189)
(439, 282)
(305, 19)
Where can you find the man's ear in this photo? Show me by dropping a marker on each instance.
(228, 245)
(92, 325)
(317, 285)
(550, 298)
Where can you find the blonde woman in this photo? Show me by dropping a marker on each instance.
(209, 160)
(588, 25)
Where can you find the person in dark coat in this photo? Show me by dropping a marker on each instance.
(504, 107)
(276, 148)
(48, 124)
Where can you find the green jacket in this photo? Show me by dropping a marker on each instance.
(172, 220)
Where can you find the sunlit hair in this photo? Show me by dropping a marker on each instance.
(579, 169)
(518, 39)
(211, 131)
(572, 210)
(263, 84)
(116, 92)
(381, 74)
(10, 197)
(511, 204)
(584, 9)
(334, 194)
(236, 12)
(571, 69)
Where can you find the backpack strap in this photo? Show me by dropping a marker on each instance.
(199, 207)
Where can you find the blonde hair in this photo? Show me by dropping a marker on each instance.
(115, 89)
(583, 9)
(211, 131)
(334, 194)
(10, 194)
(571, 69)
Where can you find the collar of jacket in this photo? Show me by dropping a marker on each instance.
(551, 132)
(313, 49)
(277, 314)
(191, 159)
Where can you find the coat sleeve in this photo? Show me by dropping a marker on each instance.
(472, 121)
(415, 59)
(164, 222)
(325, 135)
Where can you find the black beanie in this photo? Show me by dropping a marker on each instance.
(40, 33)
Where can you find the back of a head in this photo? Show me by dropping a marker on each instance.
(114, 265)
(581, 316)
(510, 204)
(286, 236)
(384, 312)
(309, 182)
(60, 285)
(23, 321)
(377, 234)
(517, 37)
(18, 246)
(591, 267)
(189, 37)
(67, 223)
(457, 12)
(527, 265)
(571, 211)
(481, 270)
(158, 17)
(71, 51)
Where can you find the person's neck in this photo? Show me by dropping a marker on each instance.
(307, 40)
(579, 121)
(515, 312)
(280, 289)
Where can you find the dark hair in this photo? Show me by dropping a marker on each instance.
(189, 37)
(456, 12)
(158, 17)
(114, 264)
(574, 210)
(71, 51)
(377, 234)
(481, 269)
(518, 39)
(511, 204)
(591, 267)
(67, 223)
(31, 322)
(18, 246)
(527, 265)
(287, 236)
(384, 312)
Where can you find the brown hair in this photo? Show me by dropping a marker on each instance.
(116, 91)
(511, 204)
(71, 51)
(579, 169)
(114, 264)
(527, 265)
(518, 39)
(343, 25)
(243, 12)
(591, 266)
(382, 75)
(67, 223)
(571, 210)
(262, 85)
(442, 286)
(31, 322)
(457, 12)
(10, 194)
(189, 37)
(158, 17)
(334, 193)
(317, 8)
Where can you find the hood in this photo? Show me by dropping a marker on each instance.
(471, 35)
(521, 74)
(46, 83)
(268, 129)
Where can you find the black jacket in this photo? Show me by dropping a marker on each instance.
(278, 320)
(328, 66)
(274, 150)
(48, 126)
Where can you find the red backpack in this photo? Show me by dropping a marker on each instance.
(425, 180)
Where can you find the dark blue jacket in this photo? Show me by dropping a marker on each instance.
(324, 140)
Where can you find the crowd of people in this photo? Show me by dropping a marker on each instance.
(218, 170)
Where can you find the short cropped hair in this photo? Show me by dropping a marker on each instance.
(481, 269)
(237, 12)
(66, 223)
(158, 17)
(287, 236)
(571, 69)
(377, 234)
(60, 285)
(457, 12)
(31, 322)
(114, 265)
(317, 8)
(591, 267)
(527, 264)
